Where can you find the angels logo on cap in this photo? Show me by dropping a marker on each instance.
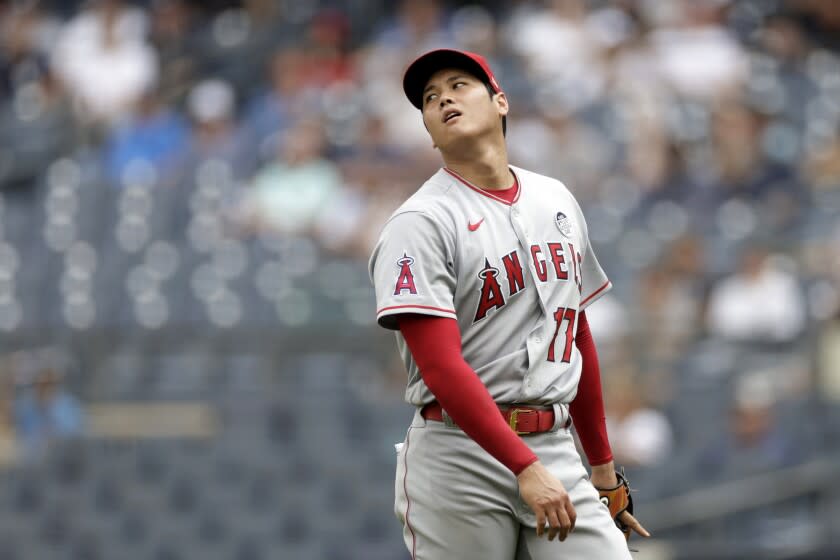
(563, 224)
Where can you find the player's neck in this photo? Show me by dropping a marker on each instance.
(486, 167)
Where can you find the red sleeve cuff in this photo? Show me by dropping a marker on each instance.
(596, 462)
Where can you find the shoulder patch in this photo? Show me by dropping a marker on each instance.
(563, 224)
(405, 281)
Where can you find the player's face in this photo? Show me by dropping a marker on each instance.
(457, 107)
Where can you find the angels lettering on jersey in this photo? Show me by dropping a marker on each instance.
(552, 262)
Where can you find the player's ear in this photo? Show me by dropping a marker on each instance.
(502, 103)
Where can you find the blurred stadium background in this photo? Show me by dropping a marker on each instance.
(189, 366)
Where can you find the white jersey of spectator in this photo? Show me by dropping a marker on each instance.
(514, 275)
(700, 62)
(106, 64)
(644, 437)
(765, 307)
(609, 321)
(561, 53)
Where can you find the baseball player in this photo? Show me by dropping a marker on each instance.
(485, 273)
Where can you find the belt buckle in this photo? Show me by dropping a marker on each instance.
(514, 418)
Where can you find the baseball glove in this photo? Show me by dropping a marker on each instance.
(618, 500)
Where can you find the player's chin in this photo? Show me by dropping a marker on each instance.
(456, 135)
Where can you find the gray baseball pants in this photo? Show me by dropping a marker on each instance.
(455, 501)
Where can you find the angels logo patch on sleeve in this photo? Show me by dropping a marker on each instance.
(410, 271)
(405, 281)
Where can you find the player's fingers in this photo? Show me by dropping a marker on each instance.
(540, 522)
(553, 525)
(565, 523)
(570, 511)
(627, 518)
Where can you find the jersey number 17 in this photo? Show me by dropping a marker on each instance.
(568, 315)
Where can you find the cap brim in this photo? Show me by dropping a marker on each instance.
(418, 73)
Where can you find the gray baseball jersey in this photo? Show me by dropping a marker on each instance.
(514, 275)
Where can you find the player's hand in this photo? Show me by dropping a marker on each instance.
(629, 521)
(603, 476)
(547, 497)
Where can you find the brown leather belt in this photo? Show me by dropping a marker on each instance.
(522, 419)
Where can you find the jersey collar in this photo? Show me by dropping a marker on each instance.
(487, 193)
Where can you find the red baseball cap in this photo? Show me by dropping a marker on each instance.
(419, 71)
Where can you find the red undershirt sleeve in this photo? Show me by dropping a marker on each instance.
(588, 407)
(435, 344)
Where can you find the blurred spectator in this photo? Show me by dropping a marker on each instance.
(639, 434)
(340, 223)
(821, 18)
(35, 123)
(562, 57)
(350, 222)
(289, 97)
(8, 444)
(825, 306)
(823, 167)
(475, 28)
(154, 136)
(757, 441)
(298, 75)
(751, 163)
(372, 155)
(172, 25)
(327, 52)
(417, 27)
(631, 58)
(561, 145)
(828, 366)
(653, 160)
(104, 60)
(36, 126)
(671, 299)
(373, 170)
(735, 138)
(742, 165)
(211, 105)
(45, 410)
(783, 38)
(697, 56)
(760, 302)
(289, 193)
(26, 32)
(609, 323)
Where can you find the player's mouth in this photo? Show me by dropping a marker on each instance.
(450, 115)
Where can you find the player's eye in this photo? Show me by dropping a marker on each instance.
(458, 84)
(430, 97)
